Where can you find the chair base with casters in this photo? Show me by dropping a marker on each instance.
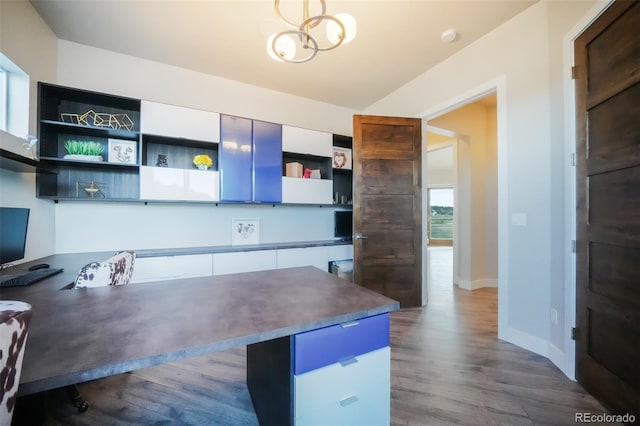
(76, 398)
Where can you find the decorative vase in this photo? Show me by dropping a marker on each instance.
(96, 158)
(202, 167)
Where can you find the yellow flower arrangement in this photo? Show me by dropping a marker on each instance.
(202, 160)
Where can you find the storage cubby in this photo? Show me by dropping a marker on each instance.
(179, 153)
(70, 182)
(343, 177)
(312, 162)
(113, 122)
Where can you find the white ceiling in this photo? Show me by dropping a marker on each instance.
(396, 41)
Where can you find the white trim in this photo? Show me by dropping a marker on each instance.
(476, 284)
(525, 340)
(425, 206)
(561, 360)
(565, 360)
(499, 86)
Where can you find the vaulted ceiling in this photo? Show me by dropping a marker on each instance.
(396, 41)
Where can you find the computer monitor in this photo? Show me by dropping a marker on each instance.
(13, 233)
(343, 224)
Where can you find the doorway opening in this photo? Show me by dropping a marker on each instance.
(468, 221)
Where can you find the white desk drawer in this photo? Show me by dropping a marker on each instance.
(355, 394)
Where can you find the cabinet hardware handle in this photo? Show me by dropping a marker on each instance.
(359, 236)
(349, 324)
(348, 401)
(348, 361)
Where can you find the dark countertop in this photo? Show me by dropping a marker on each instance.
(80, 335)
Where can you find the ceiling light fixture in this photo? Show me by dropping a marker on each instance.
(340, 29)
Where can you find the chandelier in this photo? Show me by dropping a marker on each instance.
(284, 46)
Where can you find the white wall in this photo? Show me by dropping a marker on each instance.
(137, 226)
(525, 53)
(30, 44)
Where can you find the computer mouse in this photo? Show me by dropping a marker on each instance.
(38, 266)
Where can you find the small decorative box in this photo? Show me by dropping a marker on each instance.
(294, 170)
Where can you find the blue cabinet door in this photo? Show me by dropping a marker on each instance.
(267, 162)
(236, 147)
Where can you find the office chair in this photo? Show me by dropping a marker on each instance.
(116, 270)
(14, 327)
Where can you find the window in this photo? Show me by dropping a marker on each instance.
(440, 213)
(3, 99)
(14, 98)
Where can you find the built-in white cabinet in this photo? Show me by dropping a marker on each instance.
(179, 122)
(356, 392)
(244, 261)
(342, 252)
(307, 191)
(305, 141)
(160, 268)
(307, 256)
(163, 183)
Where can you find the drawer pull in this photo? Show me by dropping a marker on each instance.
(349, 324)
(348, 361)
(348, 401)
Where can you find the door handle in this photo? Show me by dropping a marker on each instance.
(359, 236)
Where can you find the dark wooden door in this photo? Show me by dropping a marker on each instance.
(387, 207)
(607, 57)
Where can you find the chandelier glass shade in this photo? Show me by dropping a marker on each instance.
(304, 40)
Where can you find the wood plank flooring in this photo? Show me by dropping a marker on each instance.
(447, 368)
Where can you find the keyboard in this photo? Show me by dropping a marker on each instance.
(30, 277)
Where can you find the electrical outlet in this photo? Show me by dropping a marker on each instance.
(554, 316)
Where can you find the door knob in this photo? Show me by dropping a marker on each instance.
(359, 236)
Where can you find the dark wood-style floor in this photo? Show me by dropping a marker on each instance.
(447, 368)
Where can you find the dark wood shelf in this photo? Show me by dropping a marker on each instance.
(17, 163)
(95, 164)
(105, 132)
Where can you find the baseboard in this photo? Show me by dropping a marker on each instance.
(476, 284)
(527, 341)
(561, 360)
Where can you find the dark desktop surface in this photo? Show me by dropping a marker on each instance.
(232, 310)
(28, 277)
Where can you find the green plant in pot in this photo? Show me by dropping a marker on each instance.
(83, 150)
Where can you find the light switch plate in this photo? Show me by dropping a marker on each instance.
(519, 219)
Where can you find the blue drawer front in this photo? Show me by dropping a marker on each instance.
(235, 158)
(267, 162)
(317, 348)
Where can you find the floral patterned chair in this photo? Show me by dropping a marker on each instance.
(116, 270)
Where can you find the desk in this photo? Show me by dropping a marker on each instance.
(80, 335)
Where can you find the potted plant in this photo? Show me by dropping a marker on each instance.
(202, 161)
(83, 150)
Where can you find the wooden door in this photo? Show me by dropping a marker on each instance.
(387, 207)
(607, 57)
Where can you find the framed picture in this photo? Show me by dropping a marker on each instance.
(245, 231)
(122, 151)
(341, 158)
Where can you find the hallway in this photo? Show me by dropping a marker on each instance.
(448, 366)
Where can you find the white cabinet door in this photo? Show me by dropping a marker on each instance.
(171, 267)
(163, 183)
(307, 191)
(349, 393)
(308, 256)
(179, 122)
(244, 261)
(343, 252)
(305, 141)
